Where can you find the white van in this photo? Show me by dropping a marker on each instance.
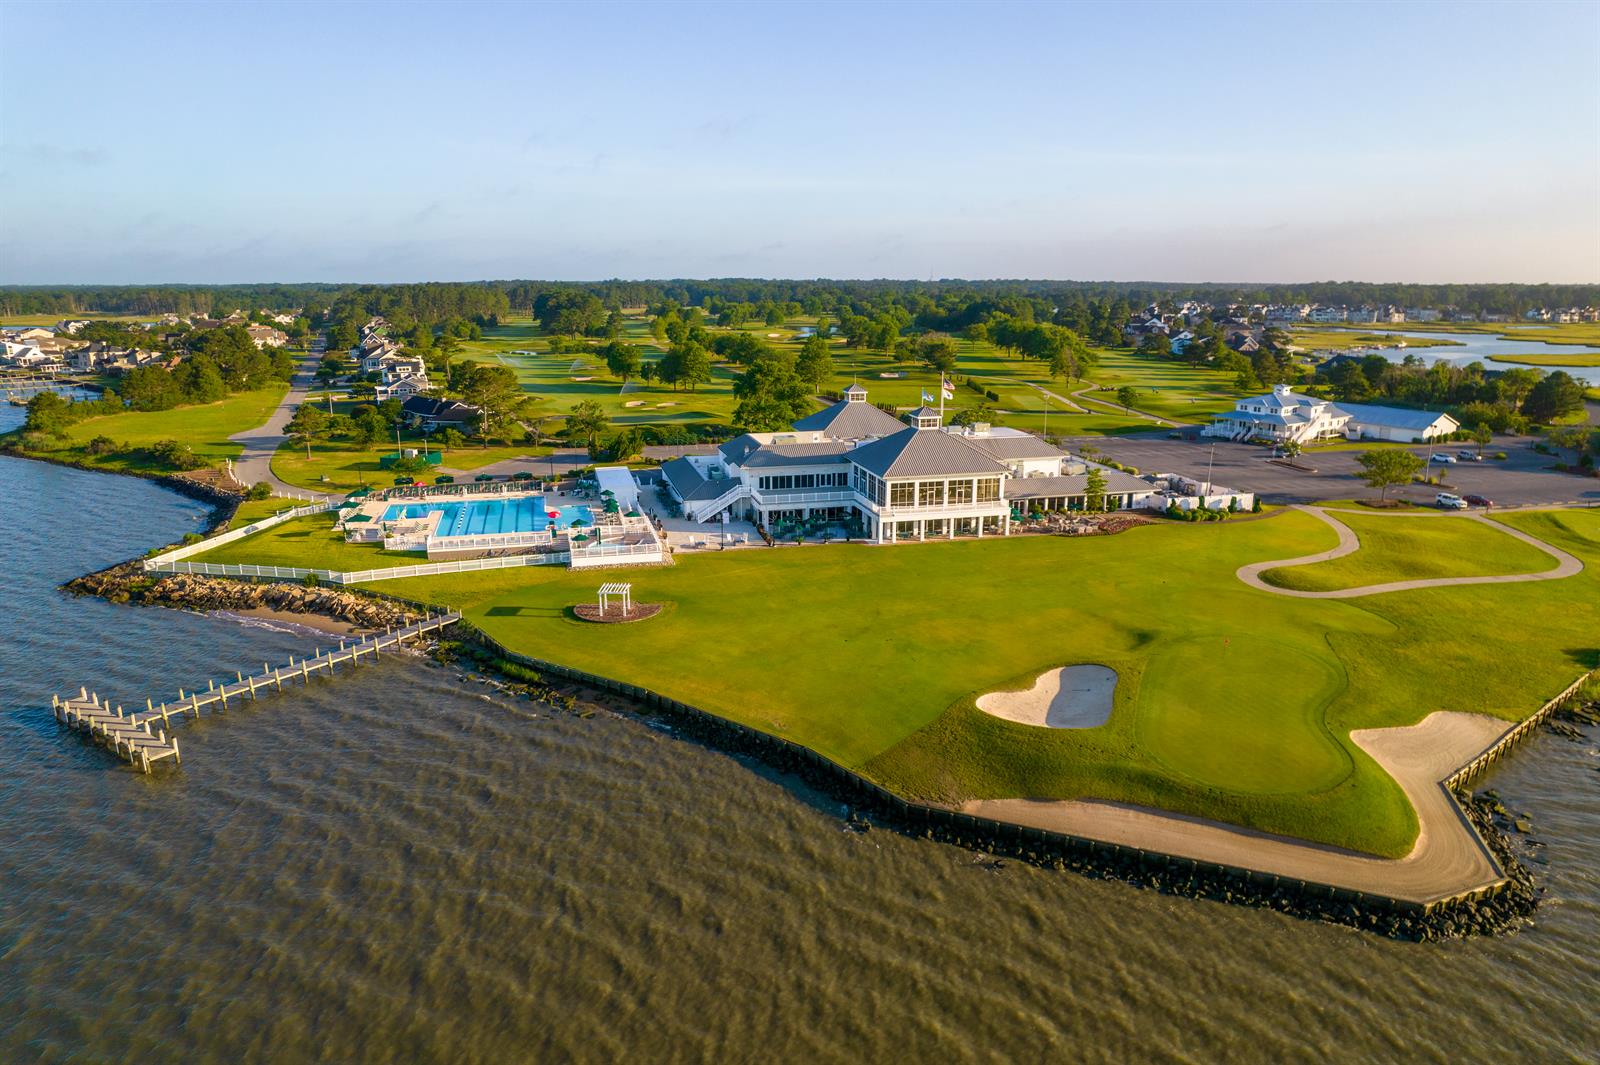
(1450, 502)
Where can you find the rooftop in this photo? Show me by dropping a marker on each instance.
(916, 452)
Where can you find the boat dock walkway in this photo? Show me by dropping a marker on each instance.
(134, 738)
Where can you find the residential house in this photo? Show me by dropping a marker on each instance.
(71, 326)
(430, 414)
(266, 336)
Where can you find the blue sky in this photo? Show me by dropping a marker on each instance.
(400, 142)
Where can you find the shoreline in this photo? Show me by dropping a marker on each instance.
(1484, 912)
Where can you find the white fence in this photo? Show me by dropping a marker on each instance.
(161, 561)
(424, 569)
(616, 555)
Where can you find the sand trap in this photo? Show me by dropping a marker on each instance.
(774, 336)
(583, 379)
(672, 403)
(1069, 697)
(634, 403)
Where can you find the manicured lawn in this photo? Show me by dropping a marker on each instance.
(1232, 703)
(311, 542)
(256, 509)
(1413, 547)
(1548, 360)
(205, 428)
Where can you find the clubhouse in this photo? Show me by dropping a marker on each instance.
(1287, 416)
(911, 480)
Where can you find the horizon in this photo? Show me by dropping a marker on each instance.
(1150, 144)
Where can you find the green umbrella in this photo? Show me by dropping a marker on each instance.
(581, 536)
(358, 517)
(608, 492)
(578, 522)
(633, 514)
(484, 477)
(363, 490)
(522, 475)
(444, 478)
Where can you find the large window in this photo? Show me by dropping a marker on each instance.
(903, 494)
(960, 492)
(930, 493)
(989, 490)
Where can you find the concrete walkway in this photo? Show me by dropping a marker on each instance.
(254, 465)
(1566, 565)
(1448, 857)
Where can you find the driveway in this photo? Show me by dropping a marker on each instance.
(254, 464)
(1524, 477)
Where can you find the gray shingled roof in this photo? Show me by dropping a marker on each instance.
(1397, 417)
(1117, 483)
(924, 453)
(751, 453)
(690, 483)
(850, 421)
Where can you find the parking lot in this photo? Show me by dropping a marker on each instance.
(1523, 477)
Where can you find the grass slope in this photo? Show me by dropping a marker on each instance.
(1413, 547)
(311, 542)
(205, 428)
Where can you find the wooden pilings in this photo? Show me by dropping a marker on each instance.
(130, 737)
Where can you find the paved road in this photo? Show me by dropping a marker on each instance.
(1566, 565)
(1523, 478)
(254, 465)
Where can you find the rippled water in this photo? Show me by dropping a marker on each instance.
(396, 867)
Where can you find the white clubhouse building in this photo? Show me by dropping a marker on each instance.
(1285, 415)
(912, 480)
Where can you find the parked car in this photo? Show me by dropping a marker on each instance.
(1440, 456)
(1478, 501)
(1450, 502)
(1469, 456)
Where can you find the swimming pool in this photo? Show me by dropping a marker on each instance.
(488, 517)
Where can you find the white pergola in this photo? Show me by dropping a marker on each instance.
(616, 588)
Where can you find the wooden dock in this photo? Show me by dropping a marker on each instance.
(134, 738)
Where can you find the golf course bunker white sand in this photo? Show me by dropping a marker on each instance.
(1069, 697)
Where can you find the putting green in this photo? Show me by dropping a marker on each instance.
(1269, 699)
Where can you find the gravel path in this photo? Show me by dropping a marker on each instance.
(1566, 565)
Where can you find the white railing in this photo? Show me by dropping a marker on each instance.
(777, 496)
(992, 508)
(488, 541)
(424, 569)
(615, 554)
(724, 499)
(158, 561)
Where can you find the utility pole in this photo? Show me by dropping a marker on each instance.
(1209, 464)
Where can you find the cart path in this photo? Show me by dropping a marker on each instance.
(1448, 856)
(254, 464)
(1566, 565)
(1117, 408)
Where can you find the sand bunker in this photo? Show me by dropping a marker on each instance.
(634, 403)
(583, 379)
(1070, 697)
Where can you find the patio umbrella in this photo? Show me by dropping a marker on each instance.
(581, 536)
(608, 492)
(363, 490)
(633, 514)
(522, 475)
(484, 477)
(611, 506)
(553, 514)
(444, 478)
(358, 517)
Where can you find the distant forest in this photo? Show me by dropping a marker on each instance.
(488, 300)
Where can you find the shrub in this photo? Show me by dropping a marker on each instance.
(100, 445)
(178, 455)
(259, 490)
(1255, 505)
(992, 396)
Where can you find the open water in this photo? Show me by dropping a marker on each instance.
(393, 866)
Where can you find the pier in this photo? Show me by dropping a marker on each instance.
(139, 740)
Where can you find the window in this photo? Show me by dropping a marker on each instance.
(960, 492)
(989, 490)
(930, 493)
(903, 494)
(805, 480)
